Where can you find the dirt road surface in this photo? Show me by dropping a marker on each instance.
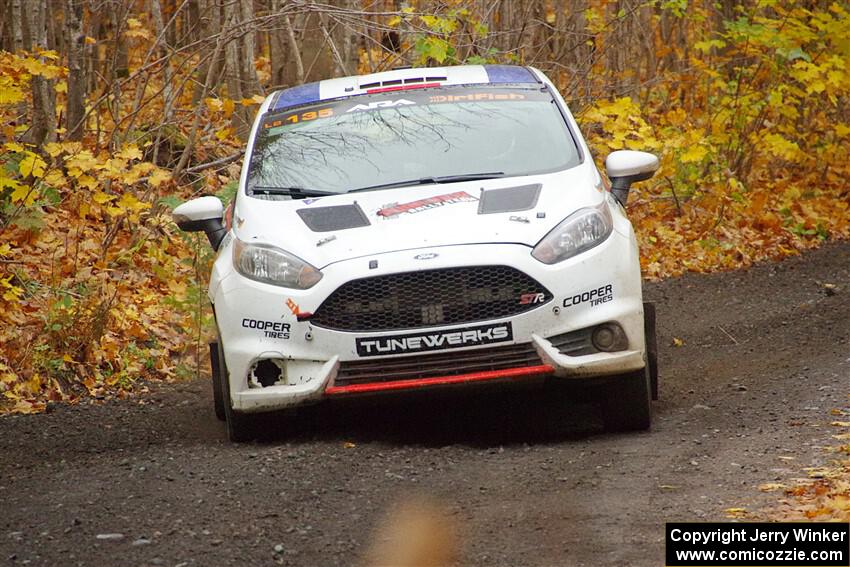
(528, 477)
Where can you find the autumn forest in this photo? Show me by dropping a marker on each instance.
(115, 111)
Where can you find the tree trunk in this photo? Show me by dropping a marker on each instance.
(120, 61)
(75, 40)
(278, 54)
(43, 96)
(210, 27)
(17, 26)
(163, 52)
(240, 75)
(232, 58)
(295, 49)
(339, 63)
(250, 83)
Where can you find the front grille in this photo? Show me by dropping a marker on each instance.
(429, 298)
(432, 365)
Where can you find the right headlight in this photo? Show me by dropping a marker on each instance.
(271, 265)
(577, 233)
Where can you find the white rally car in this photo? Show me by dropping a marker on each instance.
(419, 228)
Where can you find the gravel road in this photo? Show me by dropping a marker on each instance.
(527, 475)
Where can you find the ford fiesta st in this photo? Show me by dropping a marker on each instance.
(420, 228)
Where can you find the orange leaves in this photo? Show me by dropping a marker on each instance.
(824, 495)
(256, 99)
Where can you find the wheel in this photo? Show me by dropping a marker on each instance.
(651, 346)
(216, 358)
(627, 405)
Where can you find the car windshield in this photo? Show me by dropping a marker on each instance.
(407, 137)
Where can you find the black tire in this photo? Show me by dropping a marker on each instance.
(240, 427)
(627, 402)
(216, 360)
(651, 346)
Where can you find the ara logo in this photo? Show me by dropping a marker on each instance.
(380, 104)
(531, 298)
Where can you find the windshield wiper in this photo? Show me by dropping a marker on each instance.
(294, 192)
(433, 180)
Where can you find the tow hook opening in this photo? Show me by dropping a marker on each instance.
(265, 373)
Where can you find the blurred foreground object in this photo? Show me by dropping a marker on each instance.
(415, 533)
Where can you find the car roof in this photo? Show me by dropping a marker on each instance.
(400, 80)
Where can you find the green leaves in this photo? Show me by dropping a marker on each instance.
(435, 48)
(443, 32)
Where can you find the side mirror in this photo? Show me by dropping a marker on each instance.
(202, 214)
(625, 167)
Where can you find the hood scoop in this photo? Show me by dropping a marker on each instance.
(327, 219)
(508, 199)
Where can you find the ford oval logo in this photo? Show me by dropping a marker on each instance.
(428, 256)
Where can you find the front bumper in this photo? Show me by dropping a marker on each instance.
(258, 321)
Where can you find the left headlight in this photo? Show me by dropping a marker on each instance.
(272, 265)
(577, 233)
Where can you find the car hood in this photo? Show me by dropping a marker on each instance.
(341, 227)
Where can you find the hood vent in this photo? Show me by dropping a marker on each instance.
(509, 199)
(327, 219)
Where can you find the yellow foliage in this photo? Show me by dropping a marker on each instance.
(80, 163)
(100, 197)
(137, 30)
(32, 164)
(52, 149)
(10, 93)
(88, 182)
(130, 152)
(36, 67)
(695, 153)
(779, 146)
(158, 177)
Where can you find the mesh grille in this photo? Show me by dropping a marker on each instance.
(431, 365)
(429, 298)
